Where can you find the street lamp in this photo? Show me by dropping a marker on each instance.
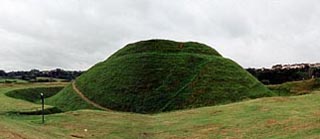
(42, 100)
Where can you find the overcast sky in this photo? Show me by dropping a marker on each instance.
(76, 34)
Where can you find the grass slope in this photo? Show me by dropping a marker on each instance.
(33, 94)
(296, 87)
(293, 117)
(68, 100)
(159, 75)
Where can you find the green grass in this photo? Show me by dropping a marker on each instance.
(296, 87)
(293, 117)
(33, 94)
(165, 46)
(158, 75)
(50, 79)
(68, 100)
(12, 81)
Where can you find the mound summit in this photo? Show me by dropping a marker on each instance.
(161, 75)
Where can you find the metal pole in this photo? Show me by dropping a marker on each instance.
(42, 100)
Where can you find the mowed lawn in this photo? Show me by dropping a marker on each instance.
(277, 117)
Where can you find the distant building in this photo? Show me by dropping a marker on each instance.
(275, 67)
(316, 65)
(295, 66)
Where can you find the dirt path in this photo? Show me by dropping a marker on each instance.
(86, 99)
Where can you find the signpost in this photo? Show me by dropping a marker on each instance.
(42, 100)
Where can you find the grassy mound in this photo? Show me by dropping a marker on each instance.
(160, 75)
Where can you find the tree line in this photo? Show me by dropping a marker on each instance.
(278, 76)
(46, 76)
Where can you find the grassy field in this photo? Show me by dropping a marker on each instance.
(12, 81)
(293, 117)
(39, 79)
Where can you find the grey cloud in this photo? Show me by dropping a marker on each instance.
(76, 34)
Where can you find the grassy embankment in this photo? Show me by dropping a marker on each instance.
(296, 88)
